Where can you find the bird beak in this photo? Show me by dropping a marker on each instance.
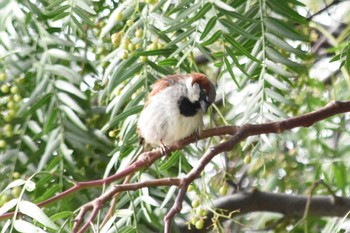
(204, 105)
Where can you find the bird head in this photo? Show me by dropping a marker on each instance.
(203, 90)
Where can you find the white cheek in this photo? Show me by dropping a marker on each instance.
(193, 92)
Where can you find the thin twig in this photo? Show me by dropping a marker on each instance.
(323, 9)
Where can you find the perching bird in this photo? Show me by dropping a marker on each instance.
(175, 108)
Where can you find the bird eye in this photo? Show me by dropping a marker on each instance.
(203, 95)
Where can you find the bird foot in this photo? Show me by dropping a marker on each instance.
(164, 149)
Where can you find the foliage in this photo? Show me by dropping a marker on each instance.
(74, 75)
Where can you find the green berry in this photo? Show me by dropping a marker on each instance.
(16, 191)
(129, 22)
(2, 77)
(202, 212)
(144, 58)
(124, 55)
(247, 159)
(17, 97)
(223, 190)
(116, 38)
(8, 129)
(125, 44)
(194, 220)
(195, 203)
(11, 104)
(14, 90)
(139, 33)
(200, 224)
(119, 16)
(112, 133)
(131, 47)
(16, 175)
(5, 88)
(2, 143)
(190, 188)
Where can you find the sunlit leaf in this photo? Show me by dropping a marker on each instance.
(33, 211)
(210, 25)
(25, 227)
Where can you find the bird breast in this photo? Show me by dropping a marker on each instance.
(161, 120)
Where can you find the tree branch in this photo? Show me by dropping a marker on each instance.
(148, 158)
(323, 9)
(250, 130)
(288, 205)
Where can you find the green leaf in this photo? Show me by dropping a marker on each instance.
(70, 88)
(235, 60)
(224, 6)
(49, 192)
(33, 211)
(229, 69)
(25, 227)
(63, 71)
(160, 69)
(61, 54)
(83, 16)
(181, 36)
(276, 96)
(73, 117)
(276, 26)
(277, 69)
(178, 26)
(119, 118)
(184, 14)
(70, 102)
(157, 52)
(218, 64)
(212, 39)
(275, 82)
(233, 27)
(57, 11)
(239, 47)
(210, 25)
(51, 146)
(203, 10)
(51, 121)
(60, 16)
(15, 183)
(181, 5)
(279, 43)
(275, 56)
(54, 4)
(38, 103)
(169, 196)
(340, 175)
(78, 24)
(168, 62)
(282, 8)
(182, 47)
(8, 206)
(124, 97)
(172, 160)
(128, 73)
(84, 6)
(62, 215)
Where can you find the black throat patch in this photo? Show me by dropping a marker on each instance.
(187, 108)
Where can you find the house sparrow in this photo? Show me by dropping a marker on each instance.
(174, 108)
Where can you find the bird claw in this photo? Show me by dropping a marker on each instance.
(197, 137)
(164, 149)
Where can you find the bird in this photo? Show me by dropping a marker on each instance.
(174, 109)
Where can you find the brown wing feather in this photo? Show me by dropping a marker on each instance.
(163, 83)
